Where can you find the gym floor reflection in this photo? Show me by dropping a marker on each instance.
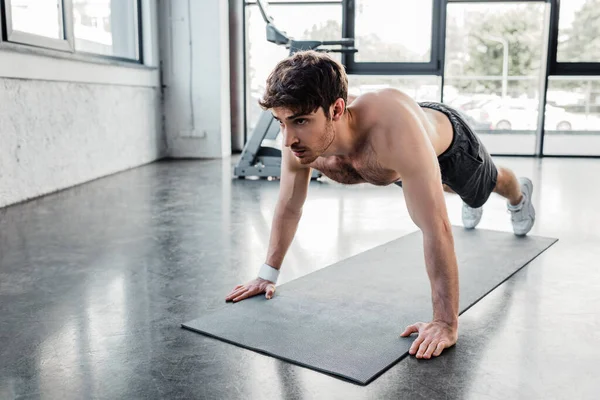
(96, 280)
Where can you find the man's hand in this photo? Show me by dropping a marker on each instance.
(252, 288)
(433, 338)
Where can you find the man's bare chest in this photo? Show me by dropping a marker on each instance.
(353, 171)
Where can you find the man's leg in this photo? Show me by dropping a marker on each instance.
(518, 195)
(470, 172)
(508, 186)
(448, 189)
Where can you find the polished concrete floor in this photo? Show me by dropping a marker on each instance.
(96, 280)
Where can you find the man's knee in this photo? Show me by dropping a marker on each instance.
(479, 202)
(503, 180)
(448, 189)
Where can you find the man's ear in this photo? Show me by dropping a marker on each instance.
(337, 109)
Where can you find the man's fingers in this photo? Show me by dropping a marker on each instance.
(416, 344)
(423, 347)
(240, 293)
(244, 295)
(239, 290)
(430, 349)
(270, 291)
(440, 347)
(236, 292)
(433, 338)
(410, 330)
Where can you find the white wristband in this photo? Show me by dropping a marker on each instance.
(268, 273)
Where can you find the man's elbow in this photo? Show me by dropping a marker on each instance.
(439, 228)
(290, 209)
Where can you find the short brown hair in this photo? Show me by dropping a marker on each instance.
(305, 81)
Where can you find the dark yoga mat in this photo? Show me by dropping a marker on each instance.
(346, 319)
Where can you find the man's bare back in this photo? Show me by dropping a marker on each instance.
(362, 165)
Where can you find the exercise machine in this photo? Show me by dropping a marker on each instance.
(260, 160)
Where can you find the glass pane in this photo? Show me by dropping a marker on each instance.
(296, 1)
(262, 56)
(579, 31)
(393, 30)
(420, 88)
(493, 60)
(38, 17)
(106, 27)
(573, 116)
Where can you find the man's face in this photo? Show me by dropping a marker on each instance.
(308, 135)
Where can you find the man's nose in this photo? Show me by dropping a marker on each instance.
(288, 138)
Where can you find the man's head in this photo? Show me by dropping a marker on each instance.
(307, 93)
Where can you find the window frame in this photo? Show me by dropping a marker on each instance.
(566, 68)
(433, 67)
(551, 67)
(67, 43)
(138, 37)
(497, 1)
(37, 63)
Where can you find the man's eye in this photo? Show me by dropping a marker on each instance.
(301, 121)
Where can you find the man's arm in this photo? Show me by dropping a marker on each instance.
(426, 206)
(293, 190)
(414, 158)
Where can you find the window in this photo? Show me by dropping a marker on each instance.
(579, 31)
(493, 70)
(420, 88)
(394, 37)
(37, 22)
(37, 17)
(573, 116)
(262, 56)
(102, 27)
(393, 30)
(106, 27)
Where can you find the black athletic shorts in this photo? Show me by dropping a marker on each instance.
(466, 166)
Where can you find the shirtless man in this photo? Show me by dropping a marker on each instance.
(383, 138)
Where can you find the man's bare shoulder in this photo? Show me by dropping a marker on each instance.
(388, 112)
(398, 128)
(384, 98)
(384, 108)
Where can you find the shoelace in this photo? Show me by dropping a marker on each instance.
(517, 215)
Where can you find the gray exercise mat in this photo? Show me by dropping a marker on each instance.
(345, 320)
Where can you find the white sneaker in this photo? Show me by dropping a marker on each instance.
(471, 216)
(523, 214)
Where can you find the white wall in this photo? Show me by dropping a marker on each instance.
(195, 73)
(59, 134)
(65, 120)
